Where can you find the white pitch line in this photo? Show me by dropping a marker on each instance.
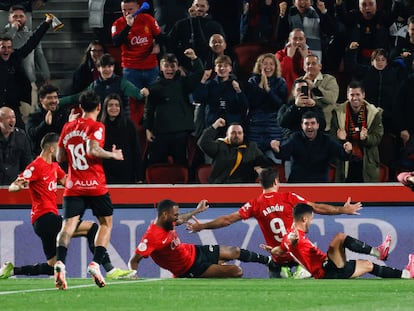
(76, 286)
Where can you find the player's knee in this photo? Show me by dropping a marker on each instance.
(339, 237)
(234, 251)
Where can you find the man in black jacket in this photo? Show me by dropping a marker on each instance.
(48, 118)
(311, 151)
(11, 69)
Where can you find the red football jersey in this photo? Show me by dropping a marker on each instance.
(136, 53)
(86, 176)
(42, 178)
(273, 212)
(306, 254)
(166, 250)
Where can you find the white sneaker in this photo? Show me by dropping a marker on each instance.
(95, 272)
(60, 275)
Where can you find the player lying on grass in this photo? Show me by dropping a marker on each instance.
(333, 264)
(162, 243)
(273, 211)
(42, 177)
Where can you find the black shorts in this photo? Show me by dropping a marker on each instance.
(333, 272)
(206, 255)
(76, 206)
(47, 228)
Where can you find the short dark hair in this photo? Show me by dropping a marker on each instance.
(105, 60)
(300, 210)
(17, 7)
(267, 177)
(379, 52)
(165, 205)
(169, 58)
(223, 59)
(89, 100)
(48, 139)
(47, 89)
(410, 20)
(310, 115)
(354, 84)
(297, 81)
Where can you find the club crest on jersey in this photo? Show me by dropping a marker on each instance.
(142, 247)
(98, 134)
(28, 172)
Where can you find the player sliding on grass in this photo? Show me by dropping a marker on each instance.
(334, 264)
(273, 211)
(161, 242)
(42, 177)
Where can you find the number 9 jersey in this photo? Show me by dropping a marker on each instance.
(86, 176)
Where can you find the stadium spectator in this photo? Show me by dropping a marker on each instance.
(311, 151)
(291, 57)
(15, 148)
(404, 51)
(316, 24)
(367, 28)
(218, 47)
(168, 12)
(221, 96)
(234, 159)
(42, 177)
(265, 210)
(47, 118)
(334, 264)
(34, 64)
(188, 260)
(81, 145)
(121, 132)
(266, 92)
(360, 123)
(301, 101)
(108, 82)
(323, 86)
(193, 32)
(13, 81)
(87, 72)
(27, 5)
(258, 21)
(168, 115)
(136, 35)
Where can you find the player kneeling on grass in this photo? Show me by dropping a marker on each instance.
(162, 243)
(334, 265)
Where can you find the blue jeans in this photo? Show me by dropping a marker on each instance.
(141, 78)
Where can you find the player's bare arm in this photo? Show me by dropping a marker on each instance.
(93, 149)
(277, 251)
(134, 261)
(219, 222)
(18, 184)
(201, 207)
(327, 209)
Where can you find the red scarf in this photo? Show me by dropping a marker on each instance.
(353, 129)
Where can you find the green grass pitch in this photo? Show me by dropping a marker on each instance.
(209, 294)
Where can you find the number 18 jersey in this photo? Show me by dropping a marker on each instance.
(86, 176)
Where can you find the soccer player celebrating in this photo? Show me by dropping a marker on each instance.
(162, 243)
(333, 264)
(81, 144)
(42, 177)
(273, 212)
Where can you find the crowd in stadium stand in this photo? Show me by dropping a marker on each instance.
(291, 75)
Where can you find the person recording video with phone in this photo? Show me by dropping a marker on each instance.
(300, 101)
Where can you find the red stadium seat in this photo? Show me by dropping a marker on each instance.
(164, 173)
(203, 173)
(384, 172)
(280, 168)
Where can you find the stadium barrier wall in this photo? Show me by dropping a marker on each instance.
(388, 209)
